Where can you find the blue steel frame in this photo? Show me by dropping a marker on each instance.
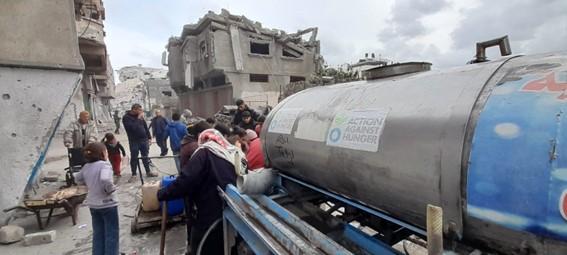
(359, 205)
(272, 229)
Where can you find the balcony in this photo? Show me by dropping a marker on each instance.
(90, 30)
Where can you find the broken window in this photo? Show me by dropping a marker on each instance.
(218, 80)
(260, 48)
(291, 53)
(259, 77)
(197, 84)
(203, 50)
(296, 78)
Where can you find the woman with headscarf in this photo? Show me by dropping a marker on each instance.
(215, 163)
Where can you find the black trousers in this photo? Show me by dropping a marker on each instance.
(214, 244)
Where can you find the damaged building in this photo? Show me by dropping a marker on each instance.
(37, 86)
(97, 86)
(224, 57)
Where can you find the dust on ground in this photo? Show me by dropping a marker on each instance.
(74, 240)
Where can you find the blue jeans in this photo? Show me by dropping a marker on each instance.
(177, 161)
(105, 231)
(135, 149)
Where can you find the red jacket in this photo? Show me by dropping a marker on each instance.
(255, 157)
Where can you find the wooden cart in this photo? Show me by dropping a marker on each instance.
(144, 220)
(68, 199)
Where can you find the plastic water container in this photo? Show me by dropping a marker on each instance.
(174, 207)
(149, 196)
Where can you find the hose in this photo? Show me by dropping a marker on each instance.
(209, 230)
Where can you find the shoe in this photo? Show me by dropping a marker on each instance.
(132, 178)
(151, 174)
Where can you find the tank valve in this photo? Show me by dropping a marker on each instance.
(502, 42)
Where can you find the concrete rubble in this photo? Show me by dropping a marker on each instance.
(51, 176)
(146, 86)
(40, 238)
(11, 234)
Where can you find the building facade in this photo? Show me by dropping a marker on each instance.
(224, 57)
(97, 86)
(40, 71)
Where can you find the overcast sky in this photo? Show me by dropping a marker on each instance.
(443, 32)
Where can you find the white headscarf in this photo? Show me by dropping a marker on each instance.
(215, 142)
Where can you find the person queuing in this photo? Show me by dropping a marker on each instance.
(211, 121)
(117, 119)
(187, 117)
(242, 107)
(223, 129)
(247, 121)
(189, 143)
(158, 125)
(175, 131)
(101, 199)
(238, 137)
(260, 124)
(139, 139)
(114, 149)
(80, 132)
(213, 164)
(254, 154)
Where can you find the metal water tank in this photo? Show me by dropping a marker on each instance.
(400, 143)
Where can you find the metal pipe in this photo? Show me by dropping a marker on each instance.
(502, 42)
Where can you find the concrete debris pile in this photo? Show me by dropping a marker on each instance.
(142, 73)
(132, 89)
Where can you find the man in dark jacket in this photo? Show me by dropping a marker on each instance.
(189, 143)
(212, 165)
(159, 126)
(242, 107)
(247, 121)
(139, 139)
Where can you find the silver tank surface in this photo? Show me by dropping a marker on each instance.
(395, 144)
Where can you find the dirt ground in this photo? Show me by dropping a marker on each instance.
(78, 239)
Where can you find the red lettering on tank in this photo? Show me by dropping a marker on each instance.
(549, 84)
(563, 204)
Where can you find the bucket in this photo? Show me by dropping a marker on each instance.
(174, 207)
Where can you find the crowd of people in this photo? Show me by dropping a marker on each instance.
(207, 155)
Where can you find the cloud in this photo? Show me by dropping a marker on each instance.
(443, 32)
(519, 19)
(406, 15)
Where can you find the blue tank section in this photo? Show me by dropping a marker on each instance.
(518, 162)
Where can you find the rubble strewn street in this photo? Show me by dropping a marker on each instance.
(75, 240)
(218, 127)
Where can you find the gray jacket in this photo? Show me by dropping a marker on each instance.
(98, 178)
(74, 135)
